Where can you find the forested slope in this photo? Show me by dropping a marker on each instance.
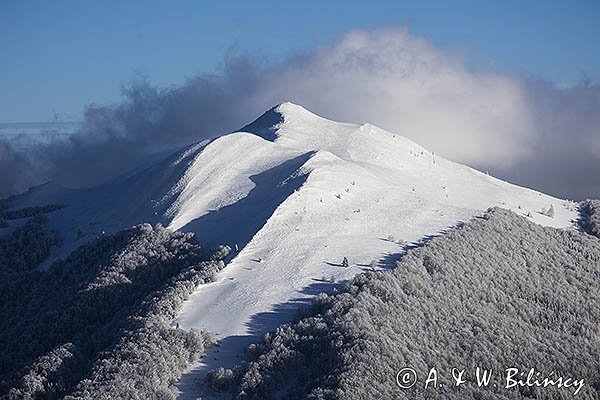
(96, 325)
(499, 292)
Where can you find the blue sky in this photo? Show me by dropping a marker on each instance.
(58, 56)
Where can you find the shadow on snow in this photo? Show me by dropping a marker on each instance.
(237, 223)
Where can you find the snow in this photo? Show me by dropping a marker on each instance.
(357, 192)
(295, 193)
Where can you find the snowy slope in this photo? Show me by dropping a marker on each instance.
(295, 193)
(360, 186)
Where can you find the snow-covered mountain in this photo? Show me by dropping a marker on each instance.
(293, 194)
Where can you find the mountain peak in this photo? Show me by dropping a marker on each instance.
(290, 110)
(267, 124)
(295, 127)
(295, 205)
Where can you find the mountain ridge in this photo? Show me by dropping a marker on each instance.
(292, 198)
(207, 176)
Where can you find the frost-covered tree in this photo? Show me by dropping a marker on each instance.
(373, 264)
(591, 217)
(28, 211)
(549, 212)
(26, 247)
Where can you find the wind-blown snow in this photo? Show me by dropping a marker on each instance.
(295, 194)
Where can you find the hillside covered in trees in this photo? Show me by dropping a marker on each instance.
(591, 217)
(500, 292)
(495, 293)
(97, 324)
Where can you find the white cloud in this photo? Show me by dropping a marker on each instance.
(407, 85)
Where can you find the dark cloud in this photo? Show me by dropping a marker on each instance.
(565, 160)
(114, 139)
(527, 131)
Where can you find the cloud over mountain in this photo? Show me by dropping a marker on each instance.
(527, 131)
